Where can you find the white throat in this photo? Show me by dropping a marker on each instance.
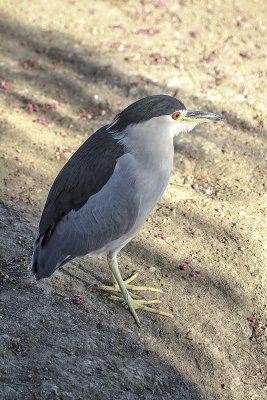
(184, 127)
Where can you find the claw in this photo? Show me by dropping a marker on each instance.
(131, 301)
(137, 304)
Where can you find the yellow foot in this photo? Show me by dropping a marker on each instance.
(116, 288)
(138, 304)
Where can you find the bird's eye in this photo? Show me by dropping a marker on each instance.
(175, 115)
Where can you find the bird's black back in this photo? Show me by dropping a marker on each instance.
(86, 172)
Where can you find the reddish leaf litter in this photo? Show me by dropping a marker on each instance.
(77, 299)
(195, 274)
(118, 26)
(22, 196)
(189, 265)
(246, 54)
(259, 329)
(15, 198)
(33, 106)
(43, 121)
(210, 58)
(193, 34)
(61, 152)
(200, 183)
(161, 235)
(147, 32)
(93, 113)
(5, 86)
(163, 59)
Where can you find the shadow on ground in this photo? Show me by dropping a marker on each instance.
(53, 347)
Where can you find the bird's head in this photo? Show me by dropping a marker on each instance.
(161, 112)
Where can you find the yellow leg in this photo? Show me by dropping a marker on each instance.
(116, 288)
(131, 303)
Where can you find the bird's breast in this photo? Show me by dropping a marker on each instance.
(152, 151)
(151, 181)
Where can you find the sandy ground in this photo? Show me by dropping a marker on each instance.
(66, 68)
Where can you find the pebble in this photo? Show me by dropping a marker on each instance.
(173, 83)
(134, 91)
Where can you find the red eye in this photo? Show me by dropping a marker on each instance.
(175, 115)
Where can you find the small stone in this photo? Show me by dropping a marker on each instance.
(173, 83)
(134, 91)
(94, 30)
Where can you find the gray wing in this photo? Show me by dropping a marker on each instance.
(86, 172)
(106, 217)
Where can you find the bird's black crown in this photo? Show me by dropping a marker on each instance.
(145, 109)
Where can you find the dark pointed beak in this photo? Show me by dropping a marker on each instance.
(197, 117)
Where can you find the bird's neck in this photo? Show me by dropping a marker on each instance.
(153, 149)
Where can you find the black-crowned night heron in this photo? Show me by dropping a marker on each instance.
(105, 192)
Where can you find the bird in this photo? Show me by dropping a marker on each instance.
(105, 192)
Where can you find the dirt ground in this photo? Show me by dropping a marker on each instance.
(66, 68)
